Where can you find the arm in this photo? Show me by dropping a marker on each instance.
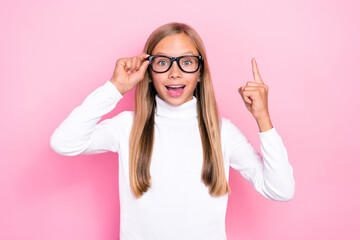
(272, 174)
(79, 133)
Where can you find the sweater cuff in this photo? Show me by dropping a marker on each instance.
(271, 131)
(112, 90)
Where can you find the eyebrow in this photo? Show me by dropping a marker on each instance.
(161, 53)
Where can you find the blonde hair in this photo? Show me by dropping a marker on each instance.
(142, 132)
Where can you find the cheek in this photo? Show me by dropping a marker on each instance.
(157, 81)
(156, 77)
(195, 79)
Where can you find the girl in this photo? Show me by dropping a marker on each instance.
(174, 151)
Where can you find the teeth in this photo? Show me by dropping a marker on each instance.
(176, 86)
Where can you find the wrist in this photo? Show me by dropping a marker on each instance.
(264, 123)
(118, 86)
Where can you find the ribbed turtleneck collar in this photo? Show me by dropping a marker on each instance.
(185, 110)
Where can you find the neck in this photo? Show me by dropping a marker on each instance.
(185, 110)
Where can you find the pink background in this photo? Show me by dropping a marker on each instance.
(55, 53)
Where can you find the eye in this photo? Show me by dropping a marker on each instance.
(187, 62)
(162, 63)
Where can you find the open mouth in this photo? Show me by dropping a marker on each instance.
(175, 90)
(173, 87)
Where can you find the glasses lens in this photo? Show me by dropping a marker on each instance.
(189, 64)
(160, 64)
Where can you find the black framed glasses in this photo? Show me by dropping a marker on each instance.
(187, 63)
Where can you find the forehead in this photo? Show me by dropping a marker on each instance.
(175, 45)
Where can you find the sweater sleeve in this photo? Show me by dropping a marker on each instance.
(80, 132)
(272, 174)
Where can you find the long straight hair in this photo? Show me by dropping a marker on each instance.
(142, 132)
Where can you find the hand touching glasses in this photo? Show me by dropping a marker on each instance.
(129, 72)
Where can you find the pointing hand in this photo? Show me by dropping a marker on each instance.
(255, 94)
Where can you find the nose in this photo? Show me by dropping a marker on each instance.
(174, 71)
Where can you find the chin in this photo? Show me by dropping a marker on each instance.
(175, 101)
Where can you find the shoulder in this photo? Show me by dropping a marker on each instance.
(226, 125)
(124, 117)
(230, 132)
(122, 121)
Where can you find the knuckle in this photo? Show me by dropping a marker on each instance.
(120, 63)
(250, 83)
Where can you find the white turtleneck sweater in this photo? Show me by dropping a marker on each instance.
(178, 205)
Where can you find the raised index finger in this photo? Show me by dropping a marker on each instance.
(256, 72)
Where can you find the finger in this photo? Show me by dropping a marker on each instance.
(252, 83)
(128, 64)
(240, 90)
(125, 64)
(121, 66)
(139, 60)
(256, 72)
(143, 56)
(143, 67)
(133, 63)
(137, 63)
(262, 88)
(247, 88)
(245, 95)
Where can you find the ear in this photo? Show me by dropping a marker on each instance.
(200, 73)
(150, 77)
